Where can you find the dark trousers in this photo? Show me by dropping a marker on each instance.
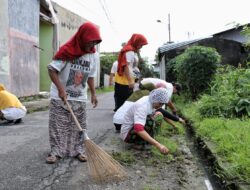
(122, 92)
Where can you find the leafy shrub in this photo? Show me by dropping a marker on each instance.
(229, 95)
(171, 74)
(106, 63)
(196, 67)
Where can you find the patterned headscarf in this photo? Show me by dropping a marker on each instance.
(159, 95)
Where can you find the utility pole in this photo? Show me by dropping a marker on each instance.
(169, 30)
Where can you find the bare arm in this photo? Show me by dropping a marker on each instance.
(143, 134)
(55, 79)
(170, 122)
(91, 84)
(127, 74)
(111, 76)
(172, 106)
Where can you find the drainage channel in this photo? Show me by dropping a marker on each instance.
(204, 161)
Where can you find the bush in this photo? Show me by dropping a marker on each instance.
(196, 67)
(171, 71)
(106, 63)
(229, 95)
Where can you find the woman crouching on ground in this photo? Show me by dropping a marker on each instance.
(138, 127)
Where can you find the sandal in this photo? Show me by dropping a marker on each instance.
(51, 159)
(82, 158)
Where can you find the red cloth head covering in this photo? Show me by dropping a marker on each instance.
(72, 49)
(135, 41)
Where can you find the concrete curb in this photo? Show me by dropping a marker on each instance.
(37, 102)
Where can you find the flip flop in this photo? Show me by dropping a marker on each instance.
(82, 158)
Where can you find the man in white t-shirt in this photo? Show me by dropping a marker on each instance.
(171, 88)
(113, 71)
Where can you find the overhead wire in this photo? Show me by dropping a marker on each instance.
(105, 9)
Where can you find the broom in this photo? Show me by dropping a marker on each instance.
(102, 167)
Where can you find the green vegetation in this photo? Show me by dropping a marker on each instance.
(229, 140)
(125, 157)
(229, 95)
(165, 138)
(232, 139)
(106, 62)
(195, 68)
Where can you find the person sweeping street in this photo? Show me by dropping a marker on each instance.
(72, 69)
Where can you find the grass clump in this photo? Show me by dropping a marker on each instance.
(230, 140)
(125, 157)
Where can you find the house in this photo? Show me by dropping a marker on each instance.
(31, 33)
(229, 44)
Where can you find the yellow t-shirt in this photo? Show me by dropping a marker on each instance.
(8, 100)
(121, 79)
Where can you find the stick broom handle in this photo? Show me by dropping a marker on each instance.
(73, 115)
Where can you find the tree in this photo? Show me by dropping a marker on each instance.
(107, 60)
(196, 67)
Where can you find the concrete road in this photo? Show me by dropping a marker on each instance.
(24, 148)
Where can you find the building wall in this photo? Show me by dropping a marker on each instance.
(234, 35)
(46, 53)
(230, 51)
(23, 55)
(4, 57)
(19, 42)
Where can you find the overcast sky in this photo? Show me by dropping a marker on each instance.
(189, 19)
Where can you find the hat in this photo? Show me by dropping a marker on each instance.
(178, 88)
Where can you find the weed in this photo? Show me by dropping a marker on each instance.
(125, 157)
(230, 139)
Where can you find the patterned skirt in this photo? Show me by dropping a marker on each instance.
(63, 132)
(152, 127)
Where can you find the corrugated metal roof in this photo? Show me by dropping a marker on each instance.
(168, 47)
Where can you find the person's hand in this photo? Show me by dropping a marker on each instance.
(163, 149)
(182, 121)
(94, 100)
(62, 94)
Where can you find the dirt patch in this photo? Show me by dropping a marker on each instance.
(176, 172)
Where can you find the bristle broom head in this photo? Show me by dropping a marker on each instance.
(102, 167)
